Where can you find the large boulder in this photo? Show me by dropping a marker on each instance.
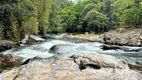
(5, 44)
(30, 39)
(132, 37)
(99, 60)
(96, 67)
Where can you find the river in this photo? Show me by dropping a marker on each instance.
(42, 50)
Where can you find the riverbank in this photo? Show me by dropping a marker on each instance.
(120, 36)
(124, 36)
(27, 40)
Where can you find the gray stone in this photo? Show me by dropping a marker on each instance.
(69, 69)
(5, 44)
(124, 37)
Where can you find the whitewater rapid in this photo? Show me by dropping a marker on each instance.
(42, 50)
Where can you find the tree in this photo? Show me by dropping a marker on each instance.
(96, 21)
(70, 18)
(20, 17)
(5, 20)
(43, 10)
(55, 17)
(129, 12)
(107, 8)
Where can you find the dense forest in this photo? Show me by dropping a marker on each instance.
(19, 17)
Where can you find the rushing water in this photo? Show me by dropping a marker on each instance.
(42, 50)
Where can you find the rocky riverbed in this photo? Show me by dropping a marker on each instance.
(53, 57)
(78, 67)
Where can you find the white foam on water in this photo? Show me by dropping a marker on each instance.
(29, 53)
(42, 50)
(48, 45)
(39, 50)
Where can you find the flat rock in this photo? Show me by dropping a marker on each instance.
(36, 38)
(70, 69)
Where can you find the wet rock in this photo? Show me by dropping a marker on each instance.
(56, 48)
(31, 59)
(137, 66)
(53, 58)
(63, 50)
(96, 67)
(117, 47)
(29, 39)
(110, 47)
(9, 61)
(5, 45)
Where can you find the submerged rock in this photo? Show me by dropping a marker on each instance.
(78, 67)
(62, 50)
(56, 48)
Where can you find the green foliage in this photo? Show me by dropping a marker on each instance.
(55, 18)
(19, 17)
(129, 12)
(100, 15)
(69, 18)
(87, 8)
(96, 21)
(88, 15)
